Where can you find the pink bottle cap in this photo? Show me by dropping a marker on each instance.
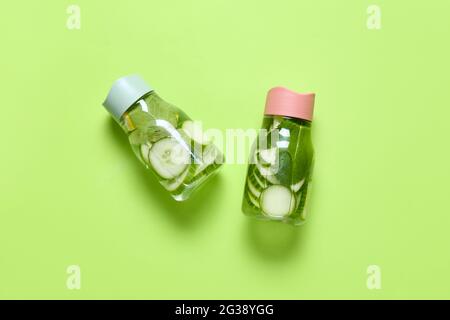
(284, 102)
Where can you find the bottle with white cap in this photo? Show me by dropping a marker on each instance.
(281, 161)
(163, 137)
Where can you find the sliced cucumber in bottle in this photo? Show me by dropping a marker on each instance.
(280, 172)
(253, 200)
(277, 201)
(268, 156)
(253, 189)
(263, 170)
(174, 183)
(260, 182)
(209, 156)
(297, 186)
(267, 172)
(169, 158)
(304, 204)
(195, 132)
(145, 149)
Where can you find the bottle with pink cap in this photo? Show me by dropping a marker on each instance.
(281, 160)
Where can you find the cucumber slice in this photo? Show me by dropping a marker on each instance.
(277, 201)
(195, 132)
(274, 165)
(305, 204)
(253, 200)
(173, 184)
(145, 148)
(296, 187)
(302, 202)
(209, 156)
(169, 158)
(279, 172)
(267, 173)
(264, 170)
(254, 190)
(258, 178)
(299, 200)
(268, 156)
(272, 179)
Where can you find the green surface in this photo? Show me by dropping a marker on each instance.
(72, 191)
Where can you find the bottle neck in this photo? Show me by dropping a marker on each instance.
(297, 121)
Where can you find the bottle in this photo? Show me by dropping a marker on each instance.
(163, 137)
(281, 160)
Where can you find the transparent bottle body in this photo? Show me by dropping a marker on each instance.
(162, 138)
(279, 171)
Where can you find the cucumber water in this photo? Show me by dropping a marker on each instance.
(281, 161)
(163, 137)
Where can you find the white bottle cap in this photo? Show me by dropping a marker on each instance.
(124, 92)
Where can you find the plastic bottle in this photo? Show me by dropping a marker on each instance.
(163, 137)
(281, 160)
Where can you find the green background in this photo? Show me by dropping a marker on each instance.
(71, 191)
